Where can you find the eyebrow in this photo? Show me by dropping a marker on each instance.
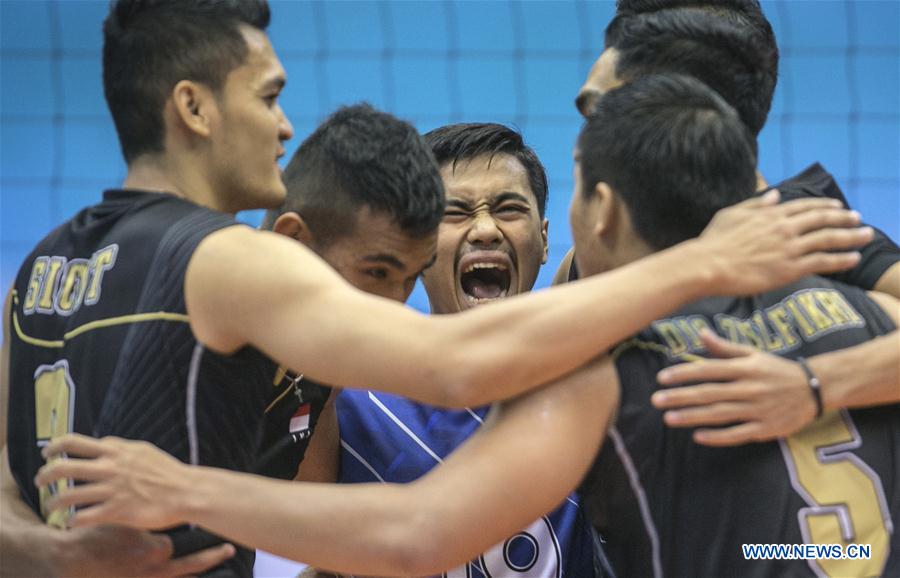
(385, 259)
(504, 196)
(396, 263)
(459, 203)
(510, 196)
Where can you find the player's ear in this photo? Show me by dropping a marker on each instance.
(545, 226)
(605, 215)
(291, 224)
(194, 106)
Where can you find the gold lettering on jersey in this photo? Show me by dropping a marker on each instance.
(101, 262)
(699, 323)
(59, 285)
(749, 334)
(38, 270)
(73, 287)
(836, 306)
(805, 326)
(781, 320)
(48, 287)
(770, 341)
(803, 316)
(672, 336)
(728, 326)
(688, 330)
(809, 305)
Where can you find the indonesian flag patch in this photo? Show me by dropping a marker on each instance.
(300, 420)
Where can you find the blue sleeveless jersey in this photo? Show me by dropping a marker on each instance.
(388, 438)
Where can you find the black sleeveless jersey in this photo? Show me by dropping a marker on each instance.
(666, 506)
(101, 345)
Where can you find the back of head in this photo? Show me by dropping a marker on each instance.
(151, 45)
(729, 45)
(743, 13)
(361, 157)
(673, 151)
(465, 141)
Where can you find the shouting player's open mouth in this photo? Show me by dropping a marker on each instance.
(485, 276)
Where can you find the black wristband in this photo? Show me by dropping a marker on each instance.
(815, 385)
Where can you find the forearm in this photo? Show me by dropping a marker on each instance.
(491, 483)
(527, 341)
(484, 354)
(860, 376)
(28, 547)
(360, 528)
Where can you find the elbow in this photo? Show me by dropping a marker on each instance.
(418, 548)
(461, 385)
(465, 368)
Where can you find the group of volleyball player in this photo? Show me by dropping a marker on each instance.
(180, 389)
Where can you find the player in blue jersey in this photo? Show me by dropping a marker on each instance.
(491, 244)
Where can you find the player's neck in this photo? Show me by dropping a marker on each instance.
(158, 173)
(761, 182)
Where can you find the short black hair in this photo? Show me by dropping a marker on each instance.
(361, 157)
(728, 45)
(742, 13)
(151, 45)
(673, 150)
(465, 141)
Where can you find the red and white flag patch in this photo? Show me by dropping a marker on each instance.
(300, 420)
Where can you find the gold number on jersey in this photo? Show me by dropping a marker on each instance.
(845, 496)
(54, 404)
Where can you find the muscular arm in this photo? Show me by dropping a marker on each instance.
(520, 465)
(861, 376)
(249, 287)
(865, 375)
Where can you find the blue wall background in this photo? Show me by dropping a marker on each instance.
(434, 62)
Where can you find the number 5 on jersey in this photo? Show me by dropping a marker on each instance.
(845, 497)
(54, 406)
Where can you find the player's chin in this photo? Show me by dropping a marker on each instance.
(274, 195)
